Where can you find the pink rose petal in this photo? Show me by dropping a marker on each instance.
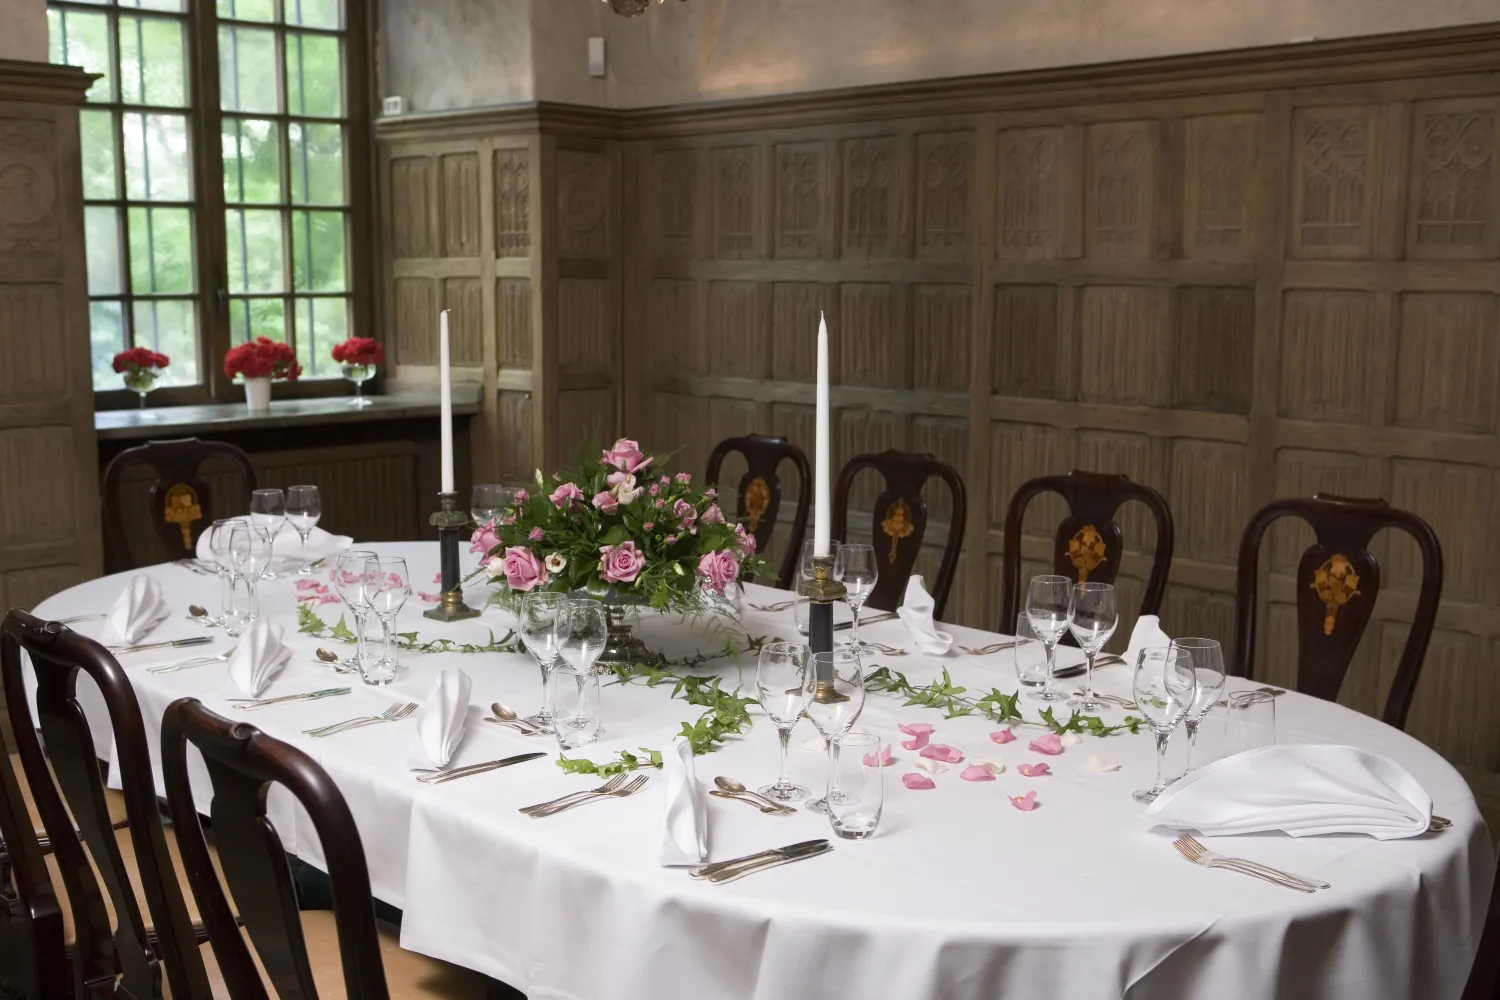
(884, 761)
(976, 772)
(916, 742)
(1003, 736)
(1025, 803)
(1051, 744)
(306, 584)
(1035, 770)
(937, 751)
(915, 728)
(917, 782)
(438, 578)
(430, 598)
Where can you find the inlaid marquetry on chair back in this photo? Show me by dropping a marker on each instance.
(758, 503)
(33, 953)
(57, 656)
(181, 504)
(1336, 583)
(243, 763)
(1089, 544)
(900, 522)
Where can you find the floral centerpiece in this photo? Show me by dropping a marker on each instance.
(359, 356)
(258, 362)
(140, 367)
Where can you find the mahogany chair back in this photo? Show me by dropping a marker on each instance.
(33, 955)
(1484, 976)
(1336, 583)
(899, 521)
(1089, 544)
(758, 497)
(243, 763)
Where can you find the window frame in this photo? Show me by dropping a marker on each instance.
(205, 122)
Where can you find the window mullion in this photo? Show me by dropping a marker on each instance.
(213, 266)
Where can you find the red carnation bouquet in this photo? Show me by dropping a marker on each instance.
(262, 358)
(131, 363)
(360, 352)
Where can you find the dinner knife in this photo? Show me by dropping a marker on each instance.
(885, 617)
(492, 765)
(730, 875)
(197, 640)
(251, 704)
(791, 850)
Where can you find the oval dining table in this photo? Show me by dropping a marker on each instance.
(959, 894)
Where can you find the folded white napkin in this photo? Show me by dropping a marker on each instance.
(916, 613)
(137, 611)
(259, 658)
(1304, 790)
(288, 545)
(440, 720)
(1147, 634)
(684, 838)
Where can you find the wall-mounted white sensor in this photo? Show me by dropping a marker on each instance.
(393, 106)
(596, 57)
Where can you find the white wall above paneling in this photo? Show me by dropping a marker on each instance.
(23, 30)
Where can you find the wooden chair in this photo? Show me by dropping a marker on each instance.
(1337, 581)
(298, 951)
(181, 500)
(141, 895)
(900, 521)
(758, 502)
(34, 960)
(1484, 976)
(1089, 544)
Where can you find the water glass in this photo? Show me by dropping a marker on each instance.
(833, 697)
(1208, 664)
(249, 557)
(303, 509)
(581, 630)
(349, 584)
(486, 503)
(1252, 721)
(804, 572)
(218, 544)
(537, 621)
(1048, 600)
(780, 677)
(575, 706)
(387, 585)
(856, 568)
(855, 812)
(1093, 617)
(1164, 686)
(1029, 656)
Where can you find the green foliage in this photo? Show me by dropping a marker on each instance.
(996, 705)
(310, 623)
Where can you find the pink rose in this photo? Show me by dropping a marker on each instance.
(620, 563)
(710, 492)
(536, 534)
(648, 526)
(655, 489)
(719, 569)
(484, 538)
(565, 493)
(744, 540)
(713, 515)
(522, 496)
(684, 477)
(626, 456)
(660, 501)
(607, 502)
(684, 510)
(670, 539)
(523, 570)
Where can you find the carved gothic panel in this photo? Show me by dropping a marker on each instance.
(1119, 352)
(945, 171)
(44, 511)
(1301, 473)
(466, 321)
(683, 420)
(584, 325)
(582, 204)
(516, 434)
(584, 416)
(1335, 182)
(33, 364)
(1121, 200)
(737, 202)
(1325, 350)
(800, 185)
(795, 307)
(673, 310)
(411, 207)
(512, 203)
(676, 176)
(1455, 180)
(416, 321)
(1222, 175)
(460, 175)
(1028, 213)
(872, 203)
(29, 222)
(941, 321)
(1455, 500)
(513, 317)
(739, 341)
(1019, 452)
(1026, 334)
(1445, 361)
(1215, 349)
(871, 343)
(948, 439)
(1207, 489)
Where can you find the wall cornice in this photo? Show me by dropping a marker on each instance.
(43, 83)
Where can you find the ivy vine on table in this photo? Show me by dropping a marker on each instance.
(316, 627)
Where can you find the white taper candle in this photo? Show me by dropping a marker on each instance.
(445, 402)
(822, 508)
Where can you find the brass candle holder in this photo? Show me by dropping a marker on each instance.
(821, 591)
(447, 520)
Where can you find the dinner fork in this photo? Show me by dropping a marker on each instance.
(197, 661)
(881, 647)
(635, 785)
(779, 606)
(1200, 855)
(604, 789)
(393, 714)
(253, 704)
(993, 647)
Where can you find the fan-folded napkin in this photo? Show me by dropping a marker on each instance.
(684, 839)
(916, 614)
(287, 545)
(137, 611)
(259, 658)
(440, 721)
(1147, 634)
(1304, 790)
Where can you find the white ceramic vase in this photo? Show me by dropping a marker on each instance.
(258, 394)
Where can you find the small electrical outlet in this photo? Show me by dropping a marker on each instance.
(393, 106)
(596, 57)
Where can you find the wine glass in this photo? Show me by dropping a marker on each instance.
(1047, 602)
(780, 677)
(856, 568)
(249, 555)
(349, 584)
(805, 572)
(387, 585)
(303, 508)
(268, 513)
(1208, 664)
(1164, 685)
(487, 501)
(833, 697)
(537, 624)
(1093, 617)
(218, 544)
(581, 631)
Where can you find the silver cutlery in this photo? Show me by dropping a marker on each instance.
(451, 774)
(629, 788)
(197, 566)
(719, 878)
(753, 803)
(71, 619)
(1113, 699)
(197, 661)
(779, 606)
(200, 616)
(1438, 824)
(201, 640)
(252, 704)
(791, 850)
(884, 616)
(395, 713)
(504, 715)
(881, 647)
(328, 657)
(729, 786)
(1200, 855)
(608, 786)
(993, 647)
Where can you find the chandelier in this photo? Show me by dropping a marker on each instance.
(630, 8)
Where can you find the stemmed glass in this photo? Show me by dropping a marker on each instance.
(1093, 617)
(805, 572)
(856, 568)
(580, 629)
(833, 697)
(349, 584)
(218, 544)
(249, 556)
(1164, 685)
(1208, 664)
(386, 586)
(303, 508)
(1047, 602)
(780, 677)
(486, 503)
(268, 513)
(538, 619)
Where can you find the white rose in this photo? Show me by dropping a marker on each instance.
(556, 563)
(495, 567)
(626, 490)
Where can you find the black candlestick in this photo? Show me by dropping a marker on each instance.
(821, 592)
(448, 520)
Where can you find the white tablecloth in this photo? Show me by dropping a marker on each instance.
(958, 896)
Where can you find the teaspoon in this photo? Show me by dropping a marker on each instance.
(504, 716)
(735, 788)
(331, 658)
